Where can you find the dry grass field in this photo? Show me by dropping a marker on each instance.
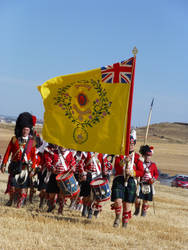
(31, 228)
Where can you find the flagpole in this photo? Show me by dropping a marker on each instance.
(134, 51)
(148, 124)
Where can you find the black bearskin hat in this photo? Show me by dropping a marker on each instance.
(25, 119)
(146, 150)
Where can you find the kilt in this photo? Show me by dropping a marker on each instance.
(52, 186)
(85, 188)
(148, 196)
(119, 191)
(42, 184)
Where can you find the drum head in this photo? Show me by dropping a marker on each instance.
(64, 176)
(98, 182)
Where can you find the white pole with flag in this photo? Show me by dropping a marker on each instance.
(149, 119)
(145, 140)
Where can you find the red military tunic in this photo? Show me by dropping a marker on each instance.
(151, 174)
(80, 161)
(137, 166)
(94, 163)
(15, 149)
(52, 160)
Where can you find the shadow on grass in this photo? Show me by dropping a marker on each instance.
(73, 218)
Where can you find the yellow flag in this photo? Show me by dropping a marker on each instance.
(90, 111)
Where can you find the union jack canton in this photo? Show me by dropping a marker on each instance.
(118, 72)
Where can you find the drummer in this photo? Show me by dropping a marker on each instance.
(57, 160)
(95, 166)
(80, 157)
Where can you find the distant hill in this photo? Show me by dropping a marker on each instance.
(12, 119)
(10, 127)
(165, 132)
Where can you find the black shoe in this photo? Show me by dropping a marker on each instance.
(79, 207)
(96, 213)
(137, 210)
(50, 208)
(72, 206)
(9, 203)
(143, 213)
(124, 224)
(84, 211)
(90, 212)
(116, 221)
(41, 203)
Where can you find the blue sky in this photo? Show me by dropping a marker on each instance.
(43, 39)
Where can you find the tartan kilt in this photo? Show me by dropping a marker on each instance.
(146, 197)
(118, 188)
(119, 191)
(41, 177)
(52, 186)
(85, 188)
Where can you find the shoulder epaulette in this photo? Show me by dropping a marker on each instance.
(14, 139)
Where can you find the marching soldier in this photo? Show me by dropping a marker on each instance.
(146, 186)
(95, 166)
(57, 160)
(40, 172)
(22, 148)
(124, 183)
(80, 158)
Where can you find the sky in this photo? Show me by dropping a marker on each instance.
(48, 38)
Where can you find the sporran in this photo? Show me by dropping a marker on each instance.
(146, 189)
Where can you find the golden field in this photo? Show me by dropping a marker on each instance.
(31, 228)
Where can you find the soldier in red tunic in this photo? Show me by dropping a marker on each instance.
(146, 187)
(34, 181)
(124, 183)
(21, 148)
(95, 166)
(57, 160)
(39, 174)
(80, 158)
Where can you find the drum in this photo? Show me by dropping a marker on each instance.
(68, 184)
(101, 189)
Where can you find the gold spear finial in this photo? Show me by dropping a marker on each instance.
(135, 51)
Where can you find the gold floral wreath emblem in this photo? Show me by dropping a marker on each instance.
(83, 109)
